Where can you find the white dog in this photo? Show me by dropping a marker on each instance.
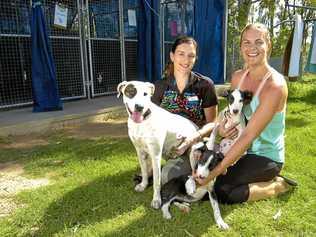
(153, 131)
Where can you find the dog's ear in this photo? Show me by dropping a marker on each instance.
(151, 87)
(120, 88)
(226, 93)
(247, 96)
(210, 144)
(219, 156)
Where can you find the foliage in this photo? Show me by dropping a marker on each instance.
(270, 13)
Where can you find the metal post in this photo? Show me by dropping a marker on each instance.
(122, 40)
(162, 35)
(225, 41)
(83, 47)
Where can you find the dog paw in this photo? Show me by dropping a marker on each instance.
(156, 204)
(167, 216)
(140, 187)
(190, 186)
(222, 225)
(165, 212)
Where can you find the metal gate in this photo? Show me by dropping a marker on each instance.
(15, 52)
(95, 52)
(111, 44)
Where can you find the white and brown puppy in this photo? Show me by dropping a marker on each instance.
(153, 131)
(233, 114)
(183, 189)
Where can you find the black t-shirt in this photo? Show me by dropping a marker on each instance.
(198, 94)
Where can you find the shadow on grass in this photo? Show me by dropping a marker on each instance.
(296, 122)
(309, 98)
(108, 199)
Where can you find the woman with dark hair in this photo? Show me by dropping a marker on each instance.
(189, 94)
(255, 176)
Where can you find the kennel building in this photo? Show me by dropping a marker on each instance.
(104, 42)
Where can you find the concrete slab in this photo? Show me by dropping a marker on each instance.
(23, 121)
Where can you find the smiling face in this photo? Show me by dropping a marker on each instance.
(255, 46)
(184, 58)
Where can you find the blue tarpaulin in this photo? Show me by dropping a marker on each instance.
(208, 31)
(44, 84)
(148, 47)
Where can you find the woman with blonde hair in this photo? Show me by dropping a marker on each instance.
(255, 176)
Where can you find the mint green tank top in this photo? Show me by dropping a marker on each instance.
(270, 142)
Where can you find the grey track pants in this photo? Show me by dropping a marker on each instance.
(175, 168)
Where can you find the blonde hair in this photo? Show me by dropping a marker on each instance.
(263, 29)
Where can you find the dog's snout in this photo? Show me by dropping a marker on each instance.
(235, 111)
(139, 108)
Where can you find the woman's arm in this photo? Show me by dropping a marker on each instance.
(210, 116)
(269, 105)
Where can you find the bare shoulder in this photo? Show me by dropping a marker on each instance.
(276, 89)
(236, 76)
(277, 84)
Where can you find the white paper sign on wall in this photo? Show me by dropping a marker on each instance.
(61, 15)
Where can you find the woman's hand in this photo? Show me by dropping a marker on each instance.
(205, 181)
(229, 132)
(183, 147)
(188, 142)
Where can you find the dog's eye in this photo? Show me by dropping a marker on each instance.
(145, 94)
(230, 99)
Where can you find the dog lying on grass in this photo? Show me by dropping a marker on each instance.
(153, 131)
(183, 189)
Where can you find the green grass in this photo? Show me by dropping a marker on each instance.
(91, 192)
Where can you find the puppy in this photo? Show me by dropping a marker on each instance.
(153, 131)
(183, 189)
(233, 114)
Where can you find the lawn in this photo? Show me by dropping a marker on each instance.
(91, 189)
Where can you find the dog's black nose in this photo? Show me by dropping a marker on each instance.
(139, 108)
(235, 111)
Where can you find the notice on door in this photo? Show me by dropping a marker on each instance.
(131, 17)
(60, 18)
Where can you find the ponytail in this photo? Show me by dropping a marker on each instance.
(168, 72)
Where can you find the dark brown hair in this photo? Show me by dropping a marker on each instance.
(183, 39)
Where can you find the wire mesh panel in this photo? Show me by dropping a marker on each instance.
(15, 59)
(15, 51)
(131, 8)
(178, 20)
(104, 46)
(66, 48)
